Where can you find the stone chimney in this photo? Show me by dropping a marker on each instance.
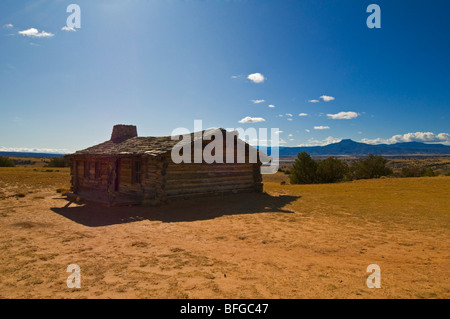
(122, 132)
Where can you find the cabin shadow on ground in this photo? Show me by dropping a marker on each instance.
(180, 211)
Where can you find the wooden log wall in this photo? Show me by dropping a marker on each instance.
(202, 178)
(197, 178)
(99, 183)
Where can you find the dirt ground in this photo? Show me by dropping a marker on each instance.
(293, 241)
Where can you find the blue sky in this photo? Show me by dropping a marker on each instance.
(163, 64)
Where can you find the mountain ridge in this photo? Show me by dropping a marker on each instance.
(30, 154)
(350, 147)
(344, 147)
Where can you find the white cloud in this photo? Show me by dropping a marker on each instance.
(271, 106)
(29, 32)
(34, 150)
(34, 33)
(289, 119)
(8, 26)
(256, 77)
(343, 115)
(315, 142)
(425, 137)
(307, 131)
(278, 132)
(66, 28)
(326, 98)
(44, 34)
(313, 101)
(257, 101)
(332, 140)
(303, 114)
(321, 127)
(280, 115)
(249, 119)
(289, 114)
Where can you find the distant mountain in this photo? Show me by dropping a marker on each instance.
(344, 147)
(29, 154)
(349, 147)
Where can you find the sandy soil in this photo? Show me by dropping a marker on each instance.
(292, 242)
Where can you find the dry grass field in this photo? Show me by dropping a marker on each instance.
(293, 241)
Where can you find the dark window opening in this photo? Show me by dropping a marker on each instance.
(98, 170)
(116, 175)
(87, 168)
(137, 171)
(79, 168)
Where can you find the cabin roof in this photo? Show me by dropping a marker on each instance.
(135, 145)
(150, 146)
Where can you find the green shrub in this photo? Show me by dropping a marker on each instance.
(57, 162)
(286, 171)
(412, 171)
(372, 166)
(304, 170)
(23, 162)
(416, 171)
(6, 162)
(348, 177)
(429, 172)
(331, 170)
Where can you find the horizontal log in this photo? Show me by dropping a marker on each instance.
(206, 175)
(153, 188)
(207, 166)
(153, 175)
(187, 177)
(208, 182)
(201, 190)
(148, 182)
(179, 169)
(219, 180)
(130, 186)
(130, 192)
(209, 189)
(125, 180)
(150, 161)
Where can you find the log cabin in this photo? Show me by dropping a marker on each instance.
(133, 170)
